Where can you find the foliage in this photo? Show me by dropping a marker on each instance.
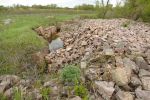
(45, 93)
(85, 7)
(2, 97)
(70, 73)
(17, 94)
(81, 91)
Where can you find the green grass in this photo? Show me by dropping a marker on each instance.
(18, 40)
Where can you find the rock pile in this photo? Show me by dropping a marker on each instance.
(114, 57)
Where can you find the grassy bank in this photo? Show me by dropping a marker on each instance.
(18, 40)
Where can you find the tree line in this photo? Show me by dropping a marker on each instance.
(133, 9)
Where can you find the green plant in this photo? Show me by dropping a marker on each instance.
(81, 91)
(70, 73)
(45, 93)
(17, 94)
(2, 97)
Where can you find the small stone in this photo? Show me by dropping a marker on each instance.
(141, 63)
(130, 65)
(135, 81)
(91, 74)
(143, 73)
(8, 93)
(120, 76)
(142, 94)
(121, 95)
(106, 89)
(76, 98)
(7, 21)
(13, 79)
(108, 52)
(119, 61)
(148, 57)
(83, 65)
(83, 43)
(4, 85)
(146, 83)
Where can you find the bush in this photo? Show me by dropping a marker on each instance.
(81, 91)
(70, 73)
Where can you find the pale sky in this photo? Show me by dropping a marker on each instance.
(61, 3)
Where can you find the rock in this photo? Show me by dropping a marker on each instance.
(53, 86)
(119, 61)
(4, 85)
(121, 95)
(9, 93)
(106, 89)
(120, 76)
(83, 43)
(7, 21)
(148, 57)
(38, 58)
(135, 81)
(141, 63)
(76, 98)
(107, 73)
(56, 44)
(146, 83)
(120, 47)
(91, 74)
(36, 94)
(83, 65)
(142, 94)
(130, 65)
(143, 73)
(10, 78)
(108, 52)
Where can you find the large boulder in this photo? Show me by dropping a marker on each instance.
(56, 44)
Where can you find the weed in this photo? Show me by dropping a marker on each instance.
(45, 93)
(2, 97)
(70, 73)
(17, 94)
(81, 91)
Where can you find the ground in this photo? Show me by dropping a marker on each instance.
(18, 39)
(101, 59)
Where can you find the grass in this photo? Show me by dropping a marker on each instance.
(18, 40)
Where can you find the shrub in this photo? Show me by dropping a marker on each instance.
(70, 73)
(81, 91)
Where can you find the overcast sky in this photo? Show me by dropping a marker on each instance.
(62, 3)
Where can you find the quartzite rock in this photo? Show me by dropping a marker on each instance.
(56, 44)
(120, 77)
(106, 89)
(121, 95)
(143, 73)
(146, 83)
(142, 94)
(142, 63)
(135, 81)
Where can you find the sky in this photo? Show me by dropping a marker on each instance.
(61, 3)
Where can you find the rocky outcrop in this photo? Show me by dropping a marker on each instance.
(113, 57)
